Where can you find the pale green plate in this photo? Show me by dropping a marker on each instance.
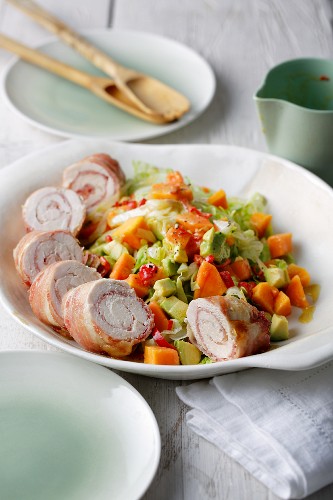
(61, 107)
(72, 430)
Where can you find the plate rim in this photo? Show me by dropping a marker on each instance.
(300, 362)
(108, 373)
(160, 131)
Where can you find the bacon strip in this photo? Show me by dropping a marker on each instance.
(38, 249)
(106, 316)
(50, 286)
(52, 208)
(226, 328)
(97, 179)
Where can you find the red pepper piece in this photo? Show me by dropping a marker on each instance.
(142, 202)
(210, 259)
(248, 285)
(227, 279)
(104, 268)
(198, 259)
(160, 340)
(198, 212)
(108, 238)
(147, 273)
(130, 205)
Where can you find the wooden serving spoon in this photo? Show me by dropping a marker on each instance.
(148, 94)
(100, 86)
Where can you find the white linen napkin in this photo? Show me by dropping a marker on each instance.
(277, 424)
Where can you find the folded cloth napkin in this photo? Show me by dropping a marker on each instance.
(277, 424)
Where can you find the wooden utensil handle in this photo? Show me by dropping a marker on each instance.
(56, 26)
(46, 62)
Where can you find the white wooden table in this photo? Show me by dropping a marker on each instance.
(241, 39)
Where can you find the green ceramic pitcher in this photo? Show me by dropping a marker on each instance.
(295, 105)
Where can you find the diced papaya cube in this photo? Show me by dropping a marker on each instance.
(175, 177)
(218, 199)
(209, 281)
(178, 236)
(282, 305)
(260, 222)
(295, 292)
(242, 269)
(263, 295)
(194, 222)
(230, 240)
(303, 274)
(127, 231)
(135, 282)
(157, 355)
(123, 267)
(164, 191)
(160, 318)
(279, 244)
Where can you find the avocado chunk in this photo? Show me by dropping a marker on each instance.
(176, 308)
(279, 328)
(113, 249)
(165, 287)
(175, 251)
(169, 266)
(189, 354)
(276, 276)
(213, 243)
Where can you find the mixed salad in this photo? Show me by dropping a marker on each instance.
(175, 242)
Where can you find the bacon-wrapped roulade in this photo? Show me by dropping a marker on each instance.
(225, 327)
(52, 208)
(50, 286)
(97, 179)
(38, 249)
(106, 316)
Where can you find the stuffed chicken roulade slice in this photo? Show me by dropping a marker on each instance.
(38, 249)
(52, 208)
(50, 286)
(106, 316)
(97, 179)
(226, 328)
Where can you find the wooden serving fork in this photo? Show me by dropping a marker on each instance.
(149, 95)
(104, 88)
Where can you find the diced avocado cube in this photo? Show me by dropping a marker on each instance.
(279, 328)
(213, 243)
(207, 242)
(276, 276)
(169, 266)
(179, 254)
(165, 287)
(175, 251)
(175, 308)
(189, 354)
(98, 250)
(115, 249)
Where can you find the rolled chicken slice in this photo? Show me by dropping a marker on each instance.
(38, 249)
(52, 208)
(97, 179)
(226, 328)
(106, 316)
(111, 163)
(51, 285)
